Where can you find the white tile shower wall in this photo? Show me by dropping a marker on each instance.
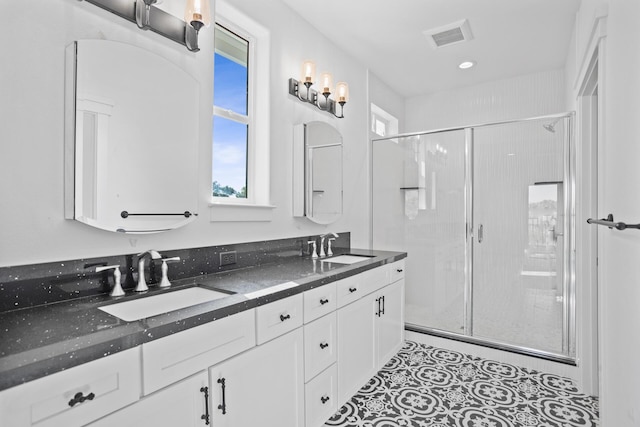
(515, 98)
(519, 97)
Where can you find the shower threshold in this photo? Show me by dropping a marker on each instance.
(559, 358)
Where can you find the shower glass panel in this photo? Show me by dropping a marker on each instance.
(486, 215)
(419, 206)
(518, 204)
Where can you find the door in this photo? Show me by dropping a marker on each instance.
(519, 293)
(261, 387)
(356, 346)
(389, 321)
(182, 404)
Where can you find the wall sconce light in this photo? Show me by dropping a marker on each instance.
(319, 98)
(148, 17)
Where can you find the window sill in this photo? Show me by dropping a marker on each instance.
(235, 212)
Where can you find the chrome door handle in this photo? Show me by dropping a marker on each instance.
(480, 233)
(555, 234)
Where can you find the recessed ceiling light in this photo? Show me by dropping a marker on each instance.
(466, 64)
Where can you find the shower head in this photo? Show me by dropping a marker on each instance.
(551, 127)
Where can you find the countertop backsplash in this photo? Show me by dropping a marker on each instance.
(32, 285)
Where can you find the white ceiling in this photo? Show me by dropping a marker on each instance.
(511, 38)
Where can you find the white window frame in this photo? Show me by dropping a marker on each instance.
(257, 206)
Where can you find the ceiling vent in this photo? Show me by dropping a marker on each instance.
(449, 34)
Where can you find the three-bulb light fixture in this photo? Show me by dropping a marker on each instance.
(319, 98)
(148, 17)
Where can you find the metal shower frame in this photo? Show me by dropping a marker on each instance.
(569, 298)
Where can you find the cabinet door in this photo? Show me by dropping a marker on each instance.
(261, 387)
(182, 404)
(389, 322)
(356, 346)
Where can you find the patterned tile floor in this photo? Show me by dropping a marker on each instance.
(424, 386)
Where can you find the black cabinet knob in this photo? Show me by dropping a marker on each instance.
(283, 317)
(352, 290)
(324, 399)
(324, 301)
(324, 345)
(80, 398)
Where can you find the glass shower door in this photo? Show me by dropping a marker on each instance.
(418, 206)
(518, 222)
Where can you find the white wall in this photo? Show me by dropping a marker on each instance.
(519, 97)
(618, 176)
(32, 131)
(384, 97)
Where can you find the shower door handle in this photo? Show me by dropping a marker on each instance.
(480, 233)
(555, 234)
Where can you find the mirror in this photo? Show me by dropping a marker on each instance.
(317, 172)
(131, 139)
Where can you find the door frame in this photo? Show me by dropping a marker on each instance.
(588, 89)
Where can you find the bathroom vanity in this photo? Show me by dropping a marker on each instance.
(286, 345)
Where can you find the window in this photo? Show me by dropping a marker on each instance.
(240, 167)
(382, 123)
(231, 118)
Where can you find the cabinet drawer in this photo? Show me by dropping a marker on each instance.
(321, 398)
(396, 271)
(106, 385)
(170, 359)
(320, 345)
(278, 317)
(355, 287)
(319, 301)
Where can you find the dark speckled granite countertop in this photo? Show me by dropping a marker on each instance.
(41, 340)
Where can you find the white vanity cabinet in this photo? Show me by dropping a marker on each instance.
(183, 404)
(261, 387)
(288, 363)
(370, 329)
(76, 396)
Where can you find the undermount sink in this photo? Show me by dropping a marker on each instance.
(158, 304)
(347, 259)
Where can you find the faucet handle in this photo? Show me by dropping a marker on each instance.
(314, 254)
(164, 282)
(117, 287)
(329, 251)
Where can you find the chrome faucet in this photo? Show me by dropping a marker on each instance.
(142, 282)
(329, 251)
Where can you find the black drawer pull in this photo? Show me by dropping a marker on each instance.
(283, 317)
(205, 417)
(399, 270)
(352, 290)
(79, 398)
(324, 301)
(324, 399)
(324, 345)
(223, 406)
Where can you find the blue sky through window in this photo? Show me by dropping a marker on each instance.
(230, 137)
(230, 85)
